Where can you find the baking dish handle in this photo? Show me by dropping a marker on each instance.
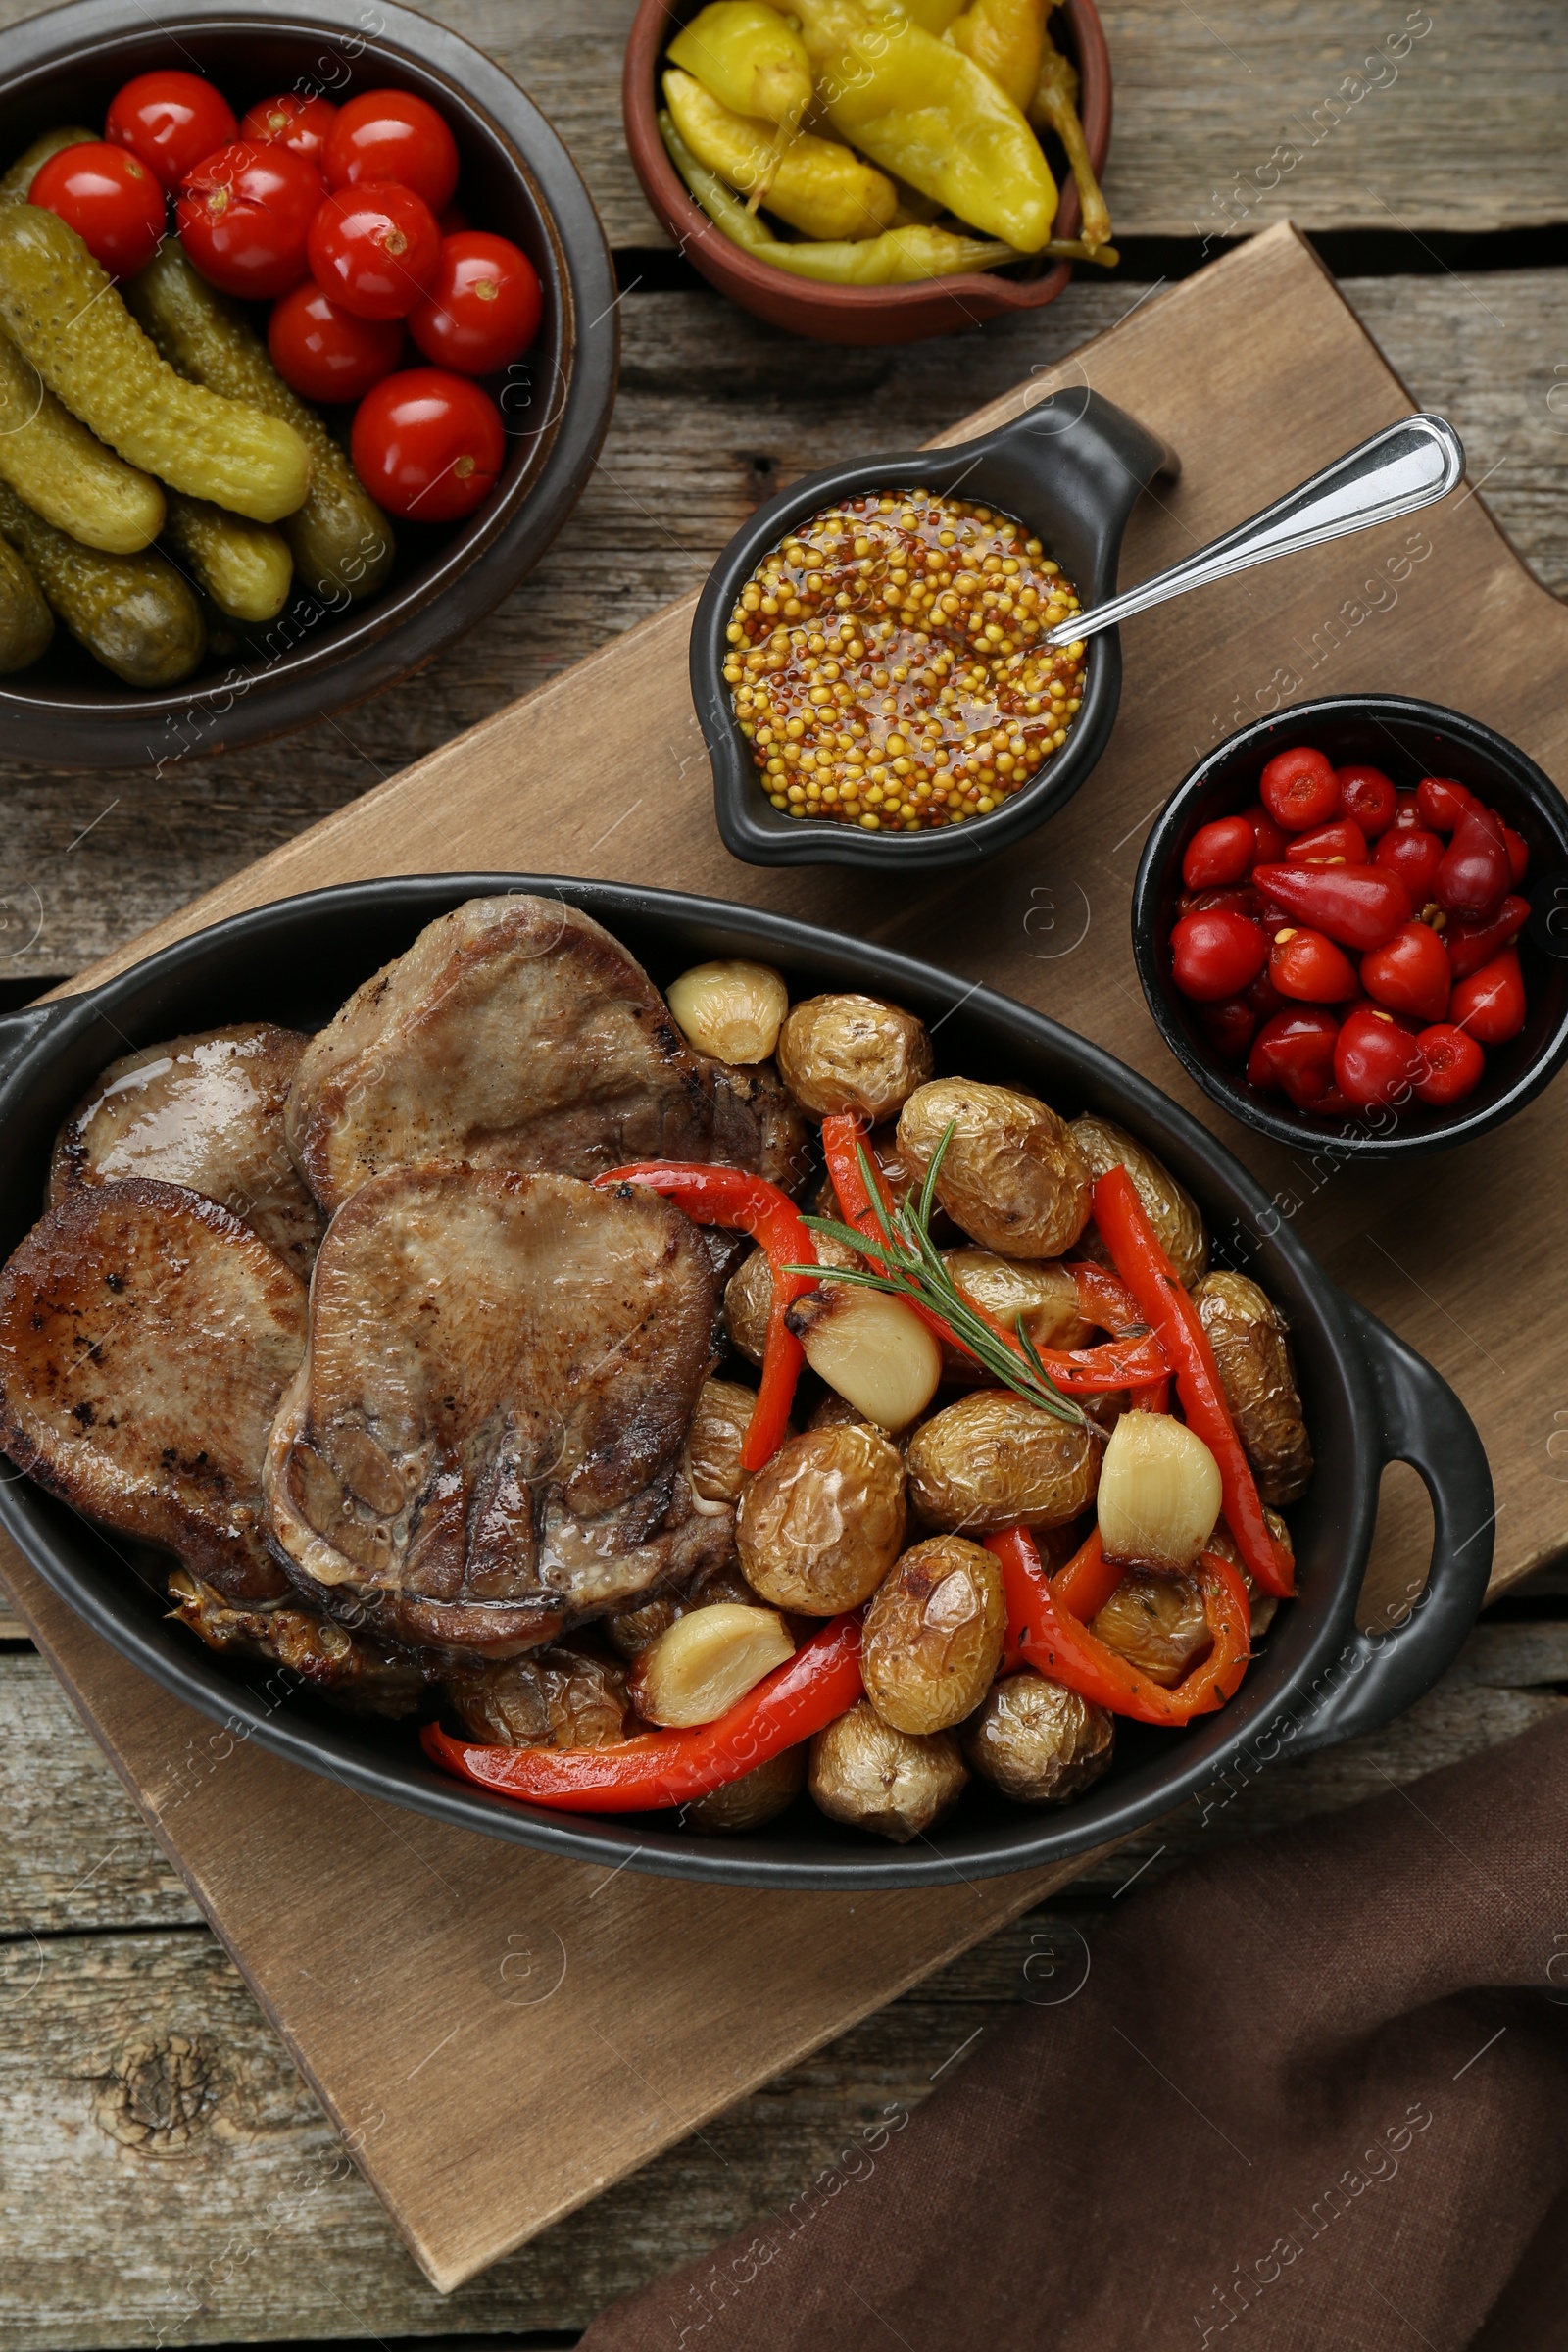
(1377, 1674)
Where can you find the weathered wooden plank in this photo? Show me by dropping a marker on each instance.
(141, 2090)
(1333, 113)
(715, 411)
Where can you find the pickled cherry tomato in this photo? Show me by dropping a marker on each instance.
(1294, 1054)
(483, 309)
(1220, 853)
(1469, 944)
(1310, 970)
(1410, 973)
(375, 248)
(304, 125)
(1229, 1025)
(1367, 795)
(429, 447)
(1491, 1004)
(244, 217)
(170, 121)
(1441, 802)
(1453, 1063)
(393, 134)
(1414, 855)
(1476, 872)
(110, 198)
(1212, 954)
(324, 352)
(1299, 789)
(1271, 841)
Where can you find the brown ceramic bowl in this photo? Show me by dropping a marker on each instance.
(517, 179)
(855, 313)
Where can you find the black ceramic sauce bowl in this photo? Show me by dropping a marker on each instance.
(1368, 1399)
(516, 179)
(1071, 468)
(1407, 740)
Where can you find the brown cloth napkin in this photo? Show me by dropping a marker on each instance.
(1313, 2092)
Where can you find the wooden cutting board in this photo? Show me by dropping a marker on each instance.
(499, 2035)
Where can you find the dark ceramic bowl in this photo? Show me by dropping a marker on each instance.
(517, 179)
(945, 306)
(1407, 740)
(1368, 1399)
(1071, 468)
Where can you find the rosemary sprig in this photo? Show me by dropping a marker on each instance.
(912, 1270)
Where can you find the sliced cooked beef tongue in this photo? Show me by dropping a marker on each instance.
(146, 1337)
(204, 1112)
(515, 1033)
(481, 1445)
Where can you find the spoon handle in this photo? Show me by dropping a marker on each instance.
(1406, 466)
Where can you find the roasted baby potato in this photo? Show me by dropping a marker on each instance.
(896, 1783)
(1038, 1741)
(1157, 1623)
(818, 1528)
(995, 1461)
(1160, 1494)
(705, 1662)
(1248, 1334)
(719, 1429)
(872, 1348)
(748, 1295)
(853, 1053)
(1170, 1209)
(731, 1010)
(556, 1697)
(933, 1634)
(1012, 1178)
(1041, 1289)
(756, 1796)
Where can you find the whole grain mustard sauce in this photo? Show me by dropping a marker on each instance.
(886, 664)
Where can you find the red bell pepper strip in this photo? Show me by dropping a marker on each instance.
(1052, 1640)
(1105, 1299)
(1084, 1584)
(1152, 1397)
(657, 1769)
(712, 1195)
(1077, 1371)
(1149, 1274)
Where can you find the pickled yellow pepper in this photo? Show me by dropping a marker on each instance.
(816, 185)
(899, 257)
(1004, 38)
(1055, 106)
(745, 55)
(927, 114)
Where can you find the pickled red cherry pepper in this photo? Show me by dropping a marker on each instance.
(1355, 905)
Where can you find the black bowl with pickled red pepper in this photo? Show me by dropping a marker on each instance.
(1409, 743)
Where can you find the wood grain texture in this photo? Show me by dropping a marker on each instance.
(715, 411)
(143, 2090)
(1335, 113)
(529, 788)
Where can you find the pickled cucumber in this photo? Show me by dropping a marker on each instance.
(16, 184)
(339, 537)
(63, 472)
(244, 567)
(25, 626)
(134, 613)
(64, 313)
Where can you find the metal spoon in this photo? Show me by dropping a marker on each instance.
(1405, 466)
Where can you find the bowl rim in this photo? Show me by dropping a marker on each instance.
(363, 651)
(1353, 1354)
(1243, 1103)
(753, 283)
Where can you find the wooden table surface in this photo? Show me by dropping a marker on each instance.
(164, 2176)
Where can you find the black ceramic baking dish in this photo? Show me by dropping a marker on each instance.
(517, 179)
(1073, 468)
(1369, 1400)
(1408, 739)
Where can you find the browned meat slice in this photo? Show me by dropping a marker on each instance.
(482, 1443)
(366, 1676)
(515, 1033)
(146, 1337)
(204, 1112)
